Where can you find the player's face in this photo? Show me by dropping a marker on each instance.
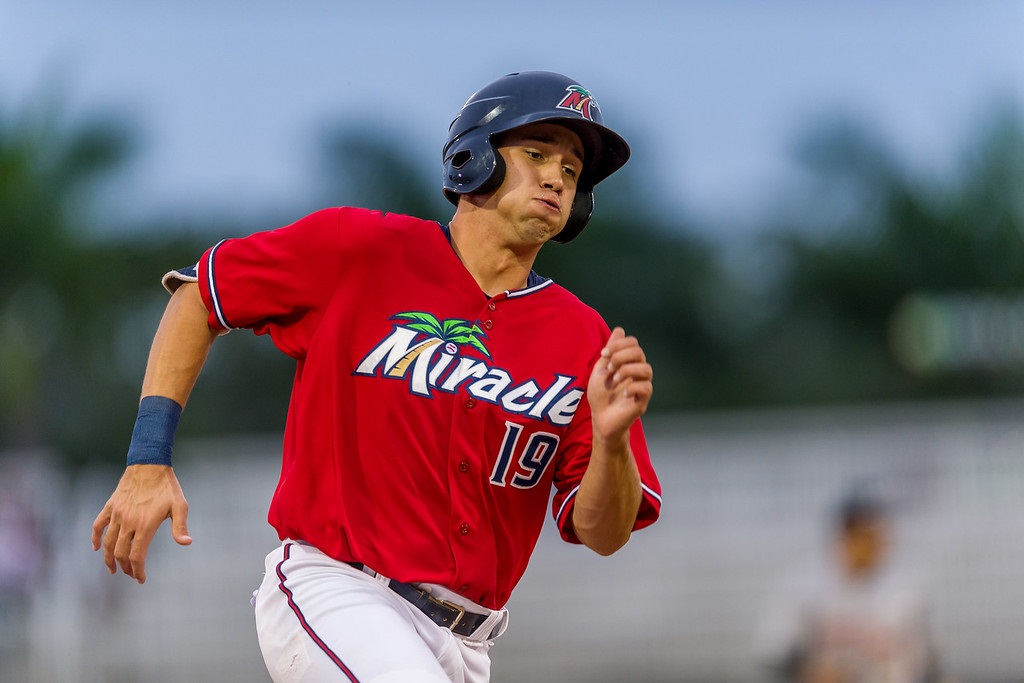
(543, 162)
(862, 547)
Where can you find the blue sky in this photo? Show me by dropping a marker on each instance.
(230, 95)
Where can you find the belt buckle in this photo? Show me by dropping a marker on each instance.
(451, 605)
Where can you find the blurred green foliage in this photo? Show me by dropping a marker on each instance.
(77, 310)
(803, 315)
(867, 235)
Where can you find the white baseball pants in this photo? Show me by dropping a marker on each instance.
(323, 621)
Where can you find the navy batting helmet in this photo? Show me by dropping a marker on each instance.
(471, 161)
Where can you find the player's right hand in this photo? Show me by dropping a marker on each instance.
(143, 499)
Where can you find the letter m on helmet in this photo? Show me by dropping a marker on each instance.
(578, 100)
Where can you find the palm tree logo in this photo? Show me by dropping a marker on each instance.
(451, 332)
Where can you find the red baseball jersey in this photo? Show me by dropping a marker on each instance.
(428, 423)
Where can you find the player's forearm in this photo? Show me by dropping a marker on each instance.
(180, 347)
(608, 499)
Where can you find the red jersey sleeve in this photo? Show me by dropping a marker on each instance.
(278, 282)
(574, 461)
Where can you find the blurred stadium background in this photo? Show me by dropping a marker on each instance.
(751, 495)
(852, 312)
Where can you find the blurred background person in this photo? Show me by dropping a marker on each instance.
(859, 617)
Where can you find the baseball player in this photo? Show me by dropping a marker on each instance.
(859, 619)
(442, 390)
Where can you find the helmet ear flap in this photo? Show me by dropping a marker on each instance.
(579, 215)
(473, 169)
(497, 173)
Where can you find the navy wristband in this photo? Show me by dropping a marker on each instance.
(153, 436)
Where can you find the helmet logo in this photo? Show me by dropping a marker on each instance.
(577, 99)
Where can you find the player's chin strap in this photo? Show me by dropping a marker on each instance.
(444, 613)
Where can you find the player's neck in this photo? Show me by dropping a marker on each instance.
(495, 267)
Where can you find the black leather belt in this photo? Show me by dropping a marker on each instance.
(443, 613)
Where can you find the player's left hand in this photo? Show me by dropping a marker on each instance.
(620, 386)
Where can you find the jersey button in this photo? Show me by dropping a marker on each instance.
(492, 306)
(464, 466)
(464, 529)
(470, 402)
(488, 324)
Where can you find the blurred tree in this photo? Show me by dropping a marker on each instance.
(45, 169)
(866, 235)
(364, 165)
(64, 296)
